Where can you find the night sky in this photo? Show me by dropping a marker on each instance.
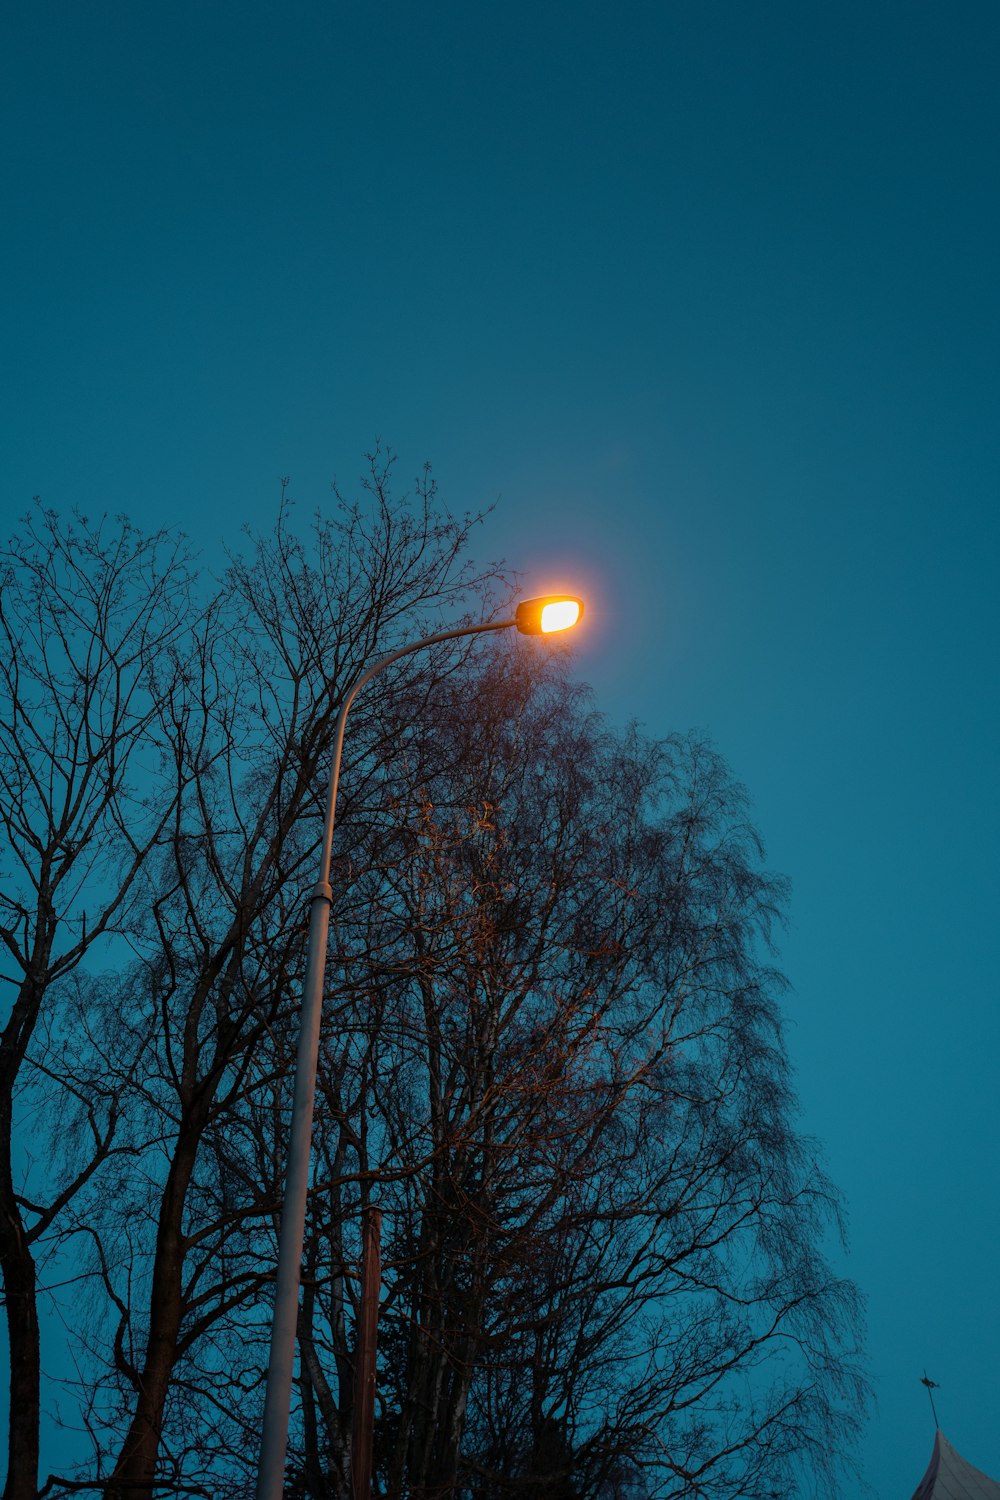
(705, 296)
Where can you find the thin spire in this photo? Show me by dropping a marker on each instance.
(932, 1386)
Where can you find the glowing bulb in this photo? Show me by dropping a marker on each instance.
(550, 613)
(560, 615)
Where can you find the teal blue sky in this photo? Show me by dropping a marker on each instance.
(705, 296)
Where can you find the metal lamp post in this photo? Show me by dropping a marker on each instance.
(532, 617)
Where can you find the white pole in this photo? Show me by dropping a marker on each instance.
(277, 1401)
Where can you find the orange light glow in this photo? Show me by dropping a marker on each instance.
(560, 615)
(550, 613)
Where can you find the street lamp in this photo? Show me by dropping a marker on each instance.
(544, 616)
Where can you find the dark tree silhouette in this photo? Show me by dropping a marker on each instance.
(603, 1237)
(246, 720)
(86, 613)
(552, 1055)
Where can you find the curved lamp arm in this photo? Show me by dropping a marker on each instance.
(338, 733)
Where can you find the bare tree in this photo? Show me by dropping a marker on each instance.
(603, 1260)
(552, 1055)
(84, 612)
(248, 723)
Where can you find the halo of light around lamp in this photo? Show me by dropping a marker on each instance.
(548, 614)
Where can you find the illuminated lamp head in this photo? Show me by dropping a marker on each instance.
(548, 614)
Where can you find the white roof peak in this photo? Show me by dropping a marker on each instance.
(951, 1477)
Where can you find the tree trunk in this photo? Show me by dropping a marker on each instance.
(364, 1398)
(135, 1470)
(16, 1260)
(18, 1268)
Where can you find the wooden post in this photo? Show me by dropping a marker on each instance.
(364, 1372)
